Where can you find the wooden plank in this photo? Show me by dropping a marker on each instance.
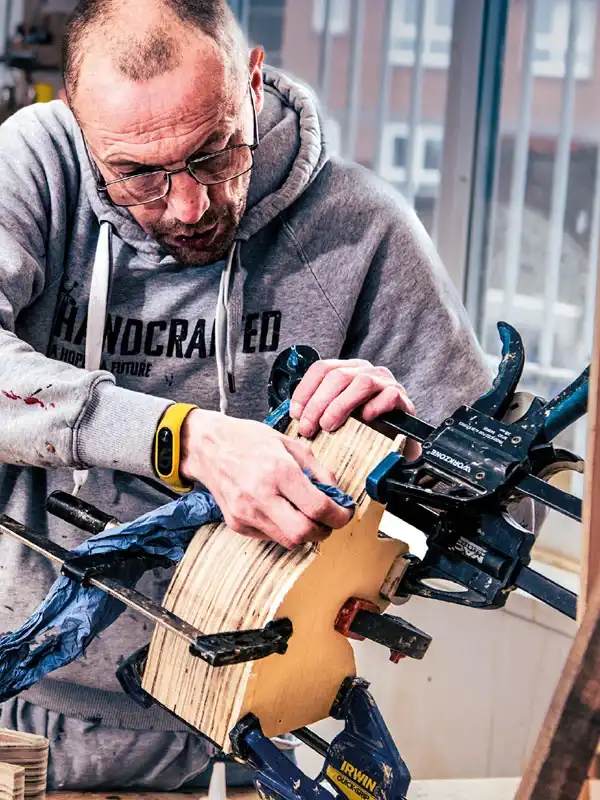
(590, 558)
(590, 562)
(227, 582)
(12, 782)
(30, 752)
(568, 740)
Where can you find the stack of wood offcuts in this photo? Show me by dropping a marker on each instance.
(23, 766)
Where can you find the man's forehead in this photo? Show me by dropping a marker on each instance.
(199, 94)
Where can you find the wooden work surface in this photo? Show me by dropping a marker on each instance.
(484, 789)
(488, 789)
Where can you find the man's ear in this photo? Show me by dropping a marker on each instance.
(63, 96)
(257, 56)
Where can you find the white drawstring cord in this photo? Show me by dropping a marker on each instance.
(221, 325)
(97, 307)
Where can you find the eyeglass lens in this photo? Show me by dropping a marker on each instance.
(223, 166)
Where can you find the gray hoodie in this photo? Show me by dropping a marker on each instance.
(326, 254)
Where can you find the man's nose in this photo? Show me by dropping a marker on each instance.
(188, 199)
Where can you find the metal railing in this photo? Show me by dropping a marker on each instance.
(546, 373)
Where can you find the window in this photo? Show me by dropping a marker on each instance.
(552, 34)
(437, 32)
(427, 153)
(399, 156)
(339, 18)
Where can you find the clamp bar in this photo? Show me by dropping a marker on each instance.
(396, 423)
(129, 597)
(235, 647)
(551, 496)
(546, 590)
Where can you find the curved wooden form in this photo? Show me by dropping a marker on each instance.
(228, 582)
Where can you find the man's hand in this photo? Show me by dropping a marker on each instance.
(332, 390)
(255, 475)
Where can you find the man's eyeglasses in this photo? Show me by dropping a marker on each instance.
(148, 187)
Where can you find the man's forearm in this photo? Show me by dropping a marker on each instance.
(55, 415)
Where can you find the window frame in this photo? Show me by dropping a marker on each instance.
(339, 22)
(403, 30)
(424, 133)
(556, 41)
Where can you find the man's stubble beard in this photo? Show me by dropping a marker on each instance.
(204, 258)
(219, 249)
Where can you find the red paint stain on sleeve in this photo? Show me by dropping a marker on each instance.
(29, 401)
(34, 401)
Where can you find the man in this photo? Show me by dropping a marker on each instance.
(180, 177)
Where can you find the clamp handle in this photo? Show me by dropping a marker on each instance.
(290, 366)
(77, 512)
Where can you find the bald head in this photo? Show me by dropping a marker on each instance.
(145, 39)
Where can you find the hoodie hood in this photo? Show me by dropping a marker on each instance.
(290, 155)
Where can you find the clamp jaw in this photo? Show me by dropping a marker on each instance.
(360, 762)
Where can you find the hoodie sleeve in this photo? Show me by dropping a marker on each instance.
(409, 318)
(53, 414)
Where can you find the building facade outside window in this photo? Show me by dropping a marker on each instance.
(552, 36)
(339, 19)
(437, 32)
(427, 154)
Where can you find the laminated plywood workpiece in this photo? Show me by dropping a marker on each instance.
(12, 782)
(228, 582)
(30, 752)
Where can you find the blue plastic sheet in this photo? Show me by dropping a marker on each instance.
(72, 615)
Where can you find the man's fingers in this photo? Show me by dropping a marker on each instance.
(363, 387)
(392, 398)
(304, 457)
(310, 500)
(291, 528)
(278, 521)
(313, 379)
(333, 385)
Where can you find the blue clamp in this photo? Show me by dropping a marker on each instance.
(376, 480)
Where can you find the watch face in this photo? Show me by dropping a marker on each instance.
(165, 452)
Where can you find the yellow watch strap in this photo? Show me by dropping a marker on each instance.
(167, 446)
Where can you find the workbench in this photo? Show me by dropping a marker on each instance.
(487, 789)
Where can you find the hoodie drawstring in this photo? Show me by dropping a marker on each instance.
(221, 329)
(97, 307)
(228, 323)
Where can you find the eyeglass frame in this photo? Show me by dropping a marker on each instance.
(103, 185)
